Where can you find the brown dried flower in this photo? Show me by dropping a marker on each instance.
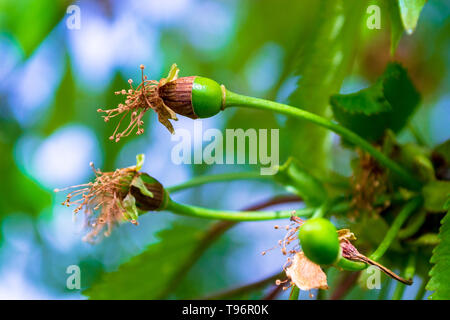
(305, 274)
(138, 101)
(110, 198)
(369, 181)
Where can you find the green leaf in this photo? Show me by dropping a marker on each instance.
(29, 21)
(410, 11)
(440, 273)
(129, 205)
(396, 26)
(139, 183)
(146, 275)
(173, 73)
(63, 109)
(387, 104)
(436, 194)
(140, 158)
(322, 63)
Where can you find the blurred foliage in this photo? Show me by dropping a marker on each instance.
(320, 67)
(30, 21)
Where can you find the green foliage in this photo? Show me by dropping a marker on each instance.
(403, 15)
(320, 66)
(396, 27)
(30, 21)
(299, 181)
(410, 11)
(387, 104)
(436, 194)
(21, 193)
(147, 275)
(440, 273)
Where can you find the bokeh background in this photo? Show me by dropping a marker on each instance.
(53, 79)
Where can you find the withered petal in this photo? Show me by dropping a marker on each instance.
(305, 274)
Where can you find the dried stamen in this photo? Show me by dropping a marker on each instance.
(138, 101)
(105, 194)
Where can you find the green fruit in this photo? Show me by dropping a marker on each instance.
(319, 241)
(206, 97)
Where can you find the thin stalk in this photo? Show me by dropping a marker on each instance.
(392, 233)
(385, 289)
(228, 294)
(200, 212)
(408, 274)
(417, 221)
(295, 292)
(234, 99)
(345, 285)
(197, 181)
(272, 295)
(422, 289)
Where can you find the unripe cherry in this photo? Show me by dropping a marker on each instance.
(319, 240)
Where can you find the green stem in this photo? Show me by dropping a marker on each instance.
(234, 99)
(240, 291)
(408, 274)
(197, 181)
(201, 212)
(422, 290)
(406, 211)
(417, 221)
(295, 292)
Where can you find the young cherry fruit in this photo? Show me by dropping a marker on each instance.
(319, 240)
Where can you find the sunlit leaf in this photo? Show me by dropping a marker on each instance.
(410, 12)
(140, 158)
(321, 67)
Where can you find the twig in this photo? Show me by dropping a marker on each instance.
(344, 286)
(244, 289)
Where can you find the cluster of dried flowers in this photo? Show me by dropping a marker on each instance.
(108, 199)
(369, 181)
(138, 101)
